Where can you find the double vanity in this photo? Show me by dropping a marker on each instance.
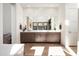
(40, 36)
(40, 31)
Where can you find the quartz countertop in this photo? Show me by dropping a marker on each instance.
(42, 31)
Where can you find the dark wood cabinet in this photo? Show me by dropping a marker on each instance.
(53, 37)
(40, 36)
(26, 37)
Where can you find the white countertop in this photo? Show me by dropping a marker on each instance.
(43, 31)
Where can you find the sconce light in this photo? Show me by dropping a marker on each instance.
(20, 27)
(60, 27)
(23, 28)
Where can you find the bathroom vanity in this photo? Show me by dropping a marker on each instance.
(40, 36)
(40, 31)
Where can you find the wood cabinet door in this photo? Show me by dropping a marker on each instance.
(40, 37)
(53, 37)
(27, 37)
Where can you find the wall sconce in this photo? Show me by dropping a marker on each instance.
(20, 27)
(23, 28)
(60, 27)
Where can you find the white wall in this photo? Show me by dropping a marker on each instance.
(78, 33)
(62, 22)
(6, 18)
(40, 13)
(78, 23)
(13, 22)
(9, 20)
(19, 19)
(71, 33)
(1, 23)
